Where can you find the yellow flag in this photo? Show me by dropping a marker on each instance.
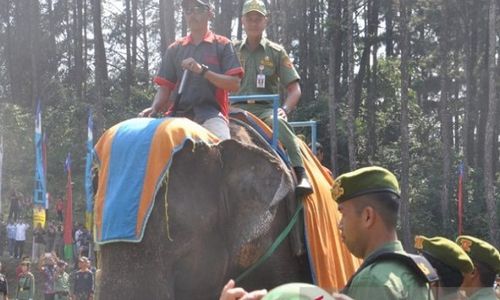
(38, 216)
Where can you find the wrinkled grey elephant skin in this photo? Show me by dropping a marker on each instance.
(226, 205)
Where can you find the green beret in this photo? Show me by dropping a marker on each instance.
(297, 291)
(364, 181)
(479, 250)
(445, 251)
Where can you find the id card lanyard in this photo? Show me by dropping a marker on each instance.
(261, 78)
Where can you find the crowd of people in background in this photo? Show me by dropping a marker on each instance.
(57, 278)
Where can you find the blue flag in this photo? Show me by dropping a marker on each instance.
(40, 196)
(89, 191)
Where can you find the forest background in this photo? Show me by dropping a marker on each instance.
(409, 85)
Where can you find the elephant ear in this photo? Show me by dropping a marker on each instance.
(253, 184)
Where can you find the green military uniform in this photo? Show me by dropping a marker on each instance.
(387, 272)
(481, 251)
(26, 287)
(388, 279)
(266, 68)
(61, 286)
(484, 294)
(271, 60)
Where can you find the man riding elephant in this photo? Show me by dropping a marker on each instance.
(267, 65)
(214, 71)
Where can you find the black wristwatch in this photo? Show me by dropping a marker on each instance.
(286, 109)
(204, 70)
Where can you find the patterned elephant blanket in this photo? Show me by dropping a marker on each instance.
(331, 262)
(134, 157)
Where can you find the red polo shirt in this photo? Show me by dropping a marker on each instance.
(201, 98)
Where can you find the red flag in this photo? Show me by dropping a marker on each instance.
(460, 197)
(68, 215)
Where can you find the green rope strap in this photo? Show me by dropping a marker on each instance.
(274, 246)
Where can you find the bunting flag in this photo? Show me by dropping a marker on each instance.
(68, 215)
(40, 196)
(1, 165)
(89, 191)
(460, 197)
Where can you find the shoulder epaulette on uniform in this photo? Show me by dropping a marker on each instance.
(275, 46)
(417, 263)
(236, 43)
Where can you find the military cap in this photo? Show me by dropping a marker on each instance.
(205, 3)
(254, 5)
(83, 259)
(62, 263)
(479, 250)
(25, 262)
(297, 291)
(364, 181)
(445, 251)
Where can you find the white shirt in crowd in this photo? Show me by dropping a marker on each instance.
(21, 231)
(77, 235)
(11, 231)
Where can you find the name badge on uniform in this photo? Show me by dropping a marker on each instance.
(261, 78)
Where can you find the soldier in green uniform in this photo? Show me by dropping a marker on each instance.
(368, 200)
(4, 286)
(266, 66)
(450, 261)
(25, 283)
(61, 283)
(478, 285)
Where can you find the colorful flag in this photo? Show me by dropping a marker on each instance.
(89, 191)
(68, 216)
(460, 197)
(1, 165)
(40, 196)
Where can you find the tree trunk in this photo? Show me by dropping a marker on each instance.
(351, 125)
(389, 30)
(445, 117)
(405, 13)
(101, 67)
(145, 42)
(34, 49)
(364, 64)
(135, 33)
(167, 24)
(239, 34)
(470, 63)
(372, 81)
(84, 49)
(334, 11)
(5, 15)
(128, 59)
(52, 51)
(69, 35)
(489, 176)
(224, 17)
(78, 46)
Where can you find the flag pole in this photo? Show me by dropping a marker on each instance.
(460, 197)
(89, 190)
(68, 216)
(1, 167)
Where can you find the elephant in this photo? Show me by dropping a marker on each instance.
(225, 206)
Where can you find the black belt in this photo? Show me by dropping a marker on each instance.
(251, 102)
(62, 293)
